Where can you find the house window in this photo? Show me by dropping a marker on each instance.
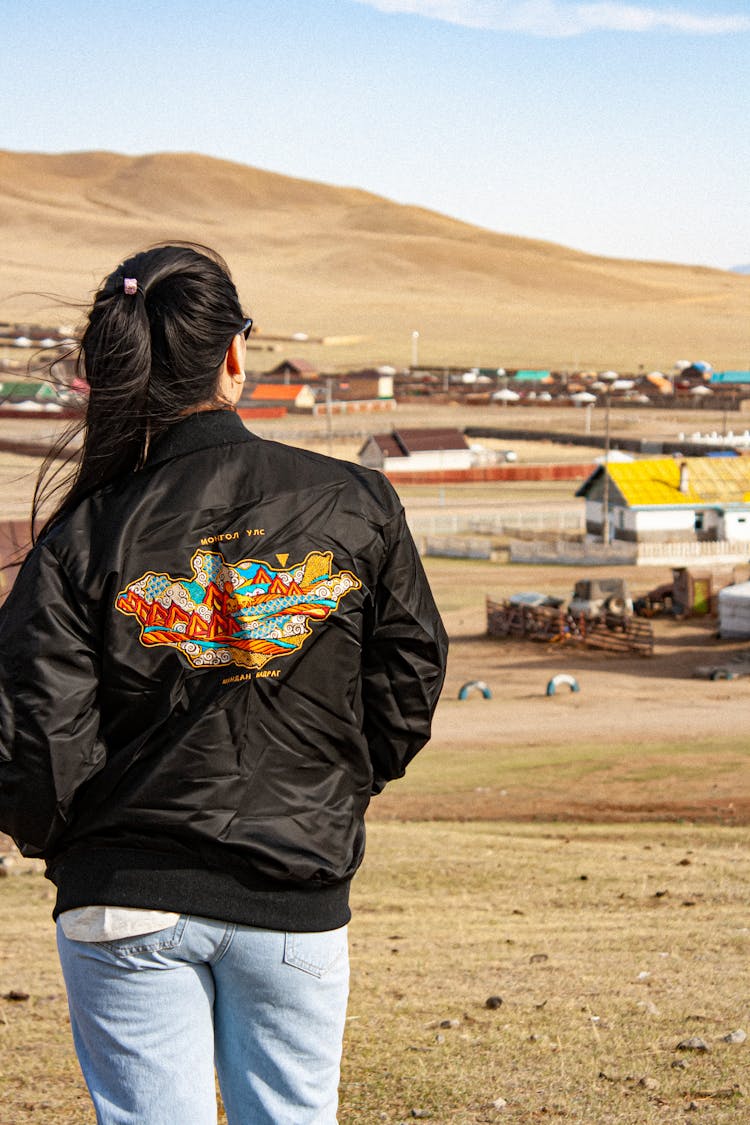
(698, 521)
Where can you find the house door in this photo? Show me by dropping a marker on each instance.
(701, 595)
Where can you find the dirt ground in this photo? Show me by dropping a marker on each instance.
(643, 738)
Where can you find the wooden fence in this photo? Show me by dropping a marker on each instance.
(607, 631)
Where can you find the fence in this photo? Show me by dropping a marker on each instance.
(353, 406)
(477, 474)
(454, 547)
(608, 631)
(499, 523)
(690, 551)
(567, 553)
(683, 553)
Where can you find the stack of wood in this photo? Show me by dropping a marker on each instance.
(607, 631)
(620, 634)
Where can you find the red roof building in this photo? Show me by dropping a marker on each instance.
(293, 396)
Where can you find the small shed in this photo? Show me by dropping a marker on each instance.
(695, 589)
(734, 611)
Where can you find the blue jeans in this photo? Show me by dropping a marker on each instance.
(152, 1014)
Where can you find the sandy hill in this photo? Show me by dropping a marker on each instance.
(325, 260)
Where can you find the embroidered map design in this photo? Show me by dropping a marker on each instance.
(243, 613)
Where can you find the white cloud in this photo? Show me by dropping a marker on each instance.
(555, 18)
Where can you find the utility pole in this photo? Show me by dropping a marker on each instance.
(605, 493)
(608, 378)
(329, 416)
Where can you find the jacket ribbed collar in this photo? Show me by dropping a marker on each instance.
(198, 431)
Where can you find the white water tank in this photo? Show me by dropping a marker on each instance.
(734, 611)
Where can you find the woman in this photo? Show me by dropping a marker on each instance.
(215, 653)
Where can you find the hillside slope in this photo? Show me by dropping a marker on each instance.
(338, 261)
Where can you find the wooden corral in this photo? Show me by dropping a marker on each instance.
(607, 631)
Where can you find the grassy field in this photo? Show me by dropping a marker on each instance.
(608, 947)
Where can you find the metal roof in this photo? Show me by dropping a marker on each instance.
(532, 376)
(731, 377)
(402, 443)
(386, 443)
(709, 480)
(302, 366)
(276, 392)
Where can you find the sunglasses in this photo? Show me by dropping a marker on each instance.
(247, 327)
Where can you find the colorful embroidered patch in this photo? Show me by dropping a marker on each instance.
(243, 613)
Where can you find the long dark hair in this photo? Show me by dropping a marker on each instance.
(152, 347)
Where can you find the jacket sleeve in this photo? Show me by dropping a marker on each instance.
(49, 719)
(404, 658)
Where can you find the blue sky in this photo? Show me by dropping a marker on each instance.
(615, 128)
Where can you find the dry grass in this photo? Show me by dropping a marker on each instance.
(639, 952)
(643, 927)
(608, 946)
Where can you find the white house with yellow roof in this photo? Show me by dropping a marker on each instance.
(669, 500)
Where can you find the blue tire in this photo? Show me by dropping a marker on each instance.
(558, 681)
(475, 685)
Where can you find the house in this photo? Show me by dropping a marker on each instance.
(359, 387)
(670, 500)
(416, 450)
(354, 394)
(297, 369)
(292, 396)
(25, 399)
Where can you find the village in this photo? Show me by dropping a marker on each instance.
(36, 374)
(637, 493)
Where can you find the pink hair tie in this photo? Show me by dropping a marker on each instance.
(130, 285)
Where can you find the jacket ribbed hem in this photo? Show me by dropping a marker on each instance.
(153, 881)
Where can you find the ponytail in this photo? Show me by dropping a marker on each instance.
(152, 348)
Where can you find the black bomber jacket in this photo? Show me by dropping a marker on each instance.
(206, 670)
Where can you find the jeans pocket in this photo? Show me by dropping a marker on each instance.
(316, 953)
(156, 942)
